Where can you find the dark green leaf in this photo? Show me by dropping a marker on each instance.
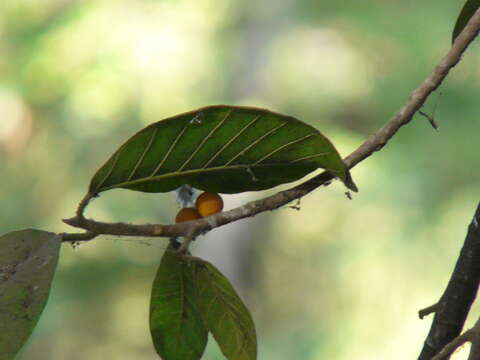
(28, 259)
(224, 149)
(176, 326)
(467, 12)
(224, 313)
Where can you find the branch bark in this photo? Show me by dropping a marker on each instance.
(471, 335)
(374, 143)
(452, 309)
(451, 347)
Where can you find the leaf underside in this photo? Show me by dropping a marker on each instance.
(28, 259)
(176, 326)
(224, 313)
(224, 149)
(467, 12)
(190, 298)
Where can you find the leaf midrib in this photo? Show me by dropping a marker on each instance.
(193, 172)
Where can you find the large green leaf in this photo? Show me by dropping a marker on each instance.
(176, 326)
(225, 149)
(467, 12)
(28, 259)
(224, 313)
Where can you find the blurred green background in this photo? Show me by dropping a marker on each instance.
(338, 279)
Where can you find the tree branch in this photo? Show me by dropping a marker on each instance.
(452, 309)
(472, 335)
(74, 237)
(376, 142)
(451, 347)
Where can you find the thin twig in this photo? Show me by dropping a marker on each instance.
(82, 205)
(471, 335)
(475, 340)
(428, 310)
(73, 237)
(430, 118)
(185, 244)
(452, 346)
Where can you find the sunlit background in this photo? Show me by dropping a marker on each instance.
(339, 279)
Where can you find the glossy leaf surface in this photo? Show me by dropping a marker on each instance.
(467, 12)
(224, 313)
(223, 149)
(176, 326)
(28, 259)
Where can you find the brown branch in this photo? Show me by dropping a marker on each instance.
(454, 305)
(74, 237)
(472, 335)
(452, 309)
(451, 347)
(376, 142)
(429, 310)
(475, 340)
(82, 205)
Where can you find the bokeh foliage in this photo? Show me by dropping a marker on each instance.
(79, 77)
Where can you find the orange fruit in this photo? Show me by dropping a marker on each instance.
(209, 203)
(187, 214)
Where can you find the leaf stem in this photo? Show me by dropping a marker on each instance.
(83, 204)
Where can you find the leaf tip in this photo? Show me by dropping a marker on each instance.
(468, 10)
(349, 183)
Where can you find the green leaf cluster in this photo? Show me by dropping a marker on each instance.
(221, 148)
(191, 298)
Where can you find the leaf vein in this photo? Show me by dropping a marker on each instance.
(169, 151)
(232, 140)
(255, 143)
(309, 157)
(205, 140)
(283, 147)
(114, 163)
(140, 159)
(235, 312)
(181, 311)
(210, 305)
